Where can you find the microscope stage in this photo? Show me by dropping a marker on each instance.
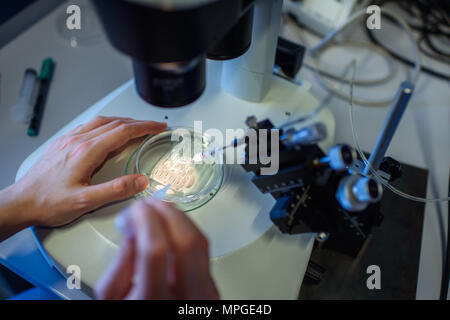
(250, 258)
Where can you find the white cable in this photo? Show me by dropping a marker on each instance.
(392, 66)
(373, 172)
(330, 36)
(362, 82)
(322, 104)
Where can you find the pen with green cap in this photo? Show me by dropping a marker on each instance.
(45, 77)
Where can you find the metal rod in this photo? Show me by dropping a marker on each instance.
(390, 125)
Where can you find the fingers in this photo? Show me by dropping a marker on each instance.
(115, 138)
(190, 248)
(95, 132)
(94, 123)
(100, 125)
(116, 282)
(92, 142)
(211, 292)
(115, 190)
(152, 254)
(170, 257)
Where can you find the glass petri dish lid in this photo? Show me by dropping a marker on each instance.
(166, 158)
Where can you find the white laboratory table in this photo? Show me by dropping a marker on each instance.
(84, 75)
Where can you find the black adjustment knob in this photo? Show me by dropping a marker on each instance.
(391, 167)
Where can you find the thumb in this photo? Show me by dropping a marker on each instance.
(115, 190)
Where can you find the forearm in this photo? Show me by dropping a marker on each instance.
(15, 214)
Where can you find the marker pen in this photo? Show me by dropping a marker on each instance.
(45, 78)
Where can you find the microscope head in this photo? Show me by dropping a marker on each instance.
(169, 41)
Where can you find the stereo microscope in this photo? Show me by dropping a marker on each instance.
(212, 61)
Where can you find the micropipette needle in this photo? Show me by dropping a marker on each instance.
(213, 151)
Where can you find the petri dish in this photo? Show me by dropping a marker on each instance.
(166, 158)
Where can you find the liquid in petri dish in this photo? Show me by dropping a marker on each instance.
(168, 162)
(178, 173)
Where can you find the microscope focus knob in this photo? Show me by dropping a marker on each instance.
(341, 156)
(355, 192)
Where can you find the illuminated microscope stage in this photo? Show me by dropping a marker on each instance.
(250, 258)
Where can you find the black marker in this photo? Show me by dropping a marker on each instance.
(45, 78)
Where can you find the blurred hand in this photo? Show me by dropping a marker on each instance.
(57, 189)
(164, 257)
